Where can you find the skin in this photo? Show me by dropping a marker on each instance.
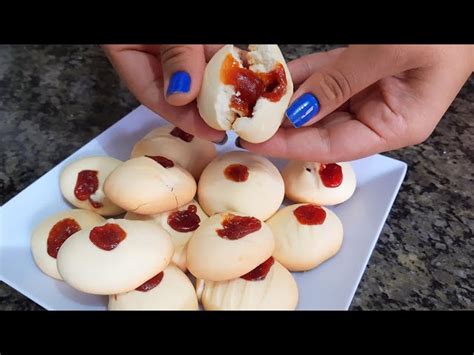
(373, 98)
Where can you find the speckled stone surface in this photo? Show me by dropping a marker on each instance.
(54, 99)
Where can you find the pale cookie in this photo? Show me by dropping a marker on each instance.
(82, 183)
(242, 182)
(306, 235)
(322, 184)
(116, 257)
(191, 152)
(149, 185)
(180, 224)
(247, 91)
(276, 291)
(228, 245)
(50, 234)
(169, 290)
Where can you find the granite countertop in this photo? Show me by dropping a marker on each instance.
(54, 99)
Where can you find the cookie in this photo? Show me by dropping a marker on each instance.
(241, 182)
(306, 235)
(228, 245)
(115, 257)
(82, 183)
(48, 237)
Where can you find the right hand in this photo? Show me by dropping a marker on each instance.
(167, 79)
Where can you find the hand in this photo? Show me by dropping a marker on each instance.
(357, 101)
(167, 79)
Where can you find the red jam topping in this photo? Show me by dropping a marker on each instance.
(151, 283)
(184, 221)
(236, 227)
(87, 184)
(108, 236)
(164, 162)
(310, 215)
(177, 132)
(331, 174)
(236, 172)
(260, 272)
(250, 86)
(59, 233)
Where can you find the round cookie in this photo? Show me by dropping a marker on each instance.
(82, 183)
(247, 91)
(243, 182)
(180, 224)
(168, 290)
(51, 233)
(149, 185)
(322, 184)
(276, 291)
(305, 236)
(115, 257)
(192, 153)
(228, 245)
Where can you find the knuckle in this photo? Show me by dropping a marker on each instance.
(172, 54)
(335, 86)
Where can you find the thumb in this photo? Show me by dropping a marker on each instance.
(183, 68)
(330, 86)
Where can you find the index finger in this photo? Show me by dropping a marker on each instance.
(342, 140)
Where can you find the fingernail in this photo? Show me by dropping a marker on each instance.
(180, 82)
(223, 141)
(237, 143)
(303, 109)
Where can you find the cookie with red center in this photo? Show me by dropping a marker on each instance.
(246, 91)
(322, 184)
(150, 185)
(180, 224)
(82, 183)
(242, 182)
(228, 245)
(48, 237)
(306, 235)
(114, 257)
(191, 152)
(168, 290)
(268, 287)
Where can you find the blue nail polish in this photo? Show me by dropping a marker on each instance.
(223, 141)
(180, 82)
(303, 109)
(237, 143)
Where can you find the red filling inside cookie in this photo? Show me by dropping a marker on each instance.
(250, 86)
(151, 283)
(236, 227)
(184, 221)
(164, 162)
(108, 236)
(87, 184)
(260, 272)
(236, 172)
(177, 132)
(310, 214)
(331, 174)
(59, 233)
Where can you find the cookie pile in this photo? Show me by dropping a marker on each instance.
(187, 226)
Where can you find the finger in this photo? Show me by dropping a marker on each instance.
(183, 68)
(345, 140)
(140, 69)
(210, 50)
(302, 68)
(353, 70)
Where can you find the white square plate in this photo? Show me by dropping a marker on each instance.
(331, 286)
